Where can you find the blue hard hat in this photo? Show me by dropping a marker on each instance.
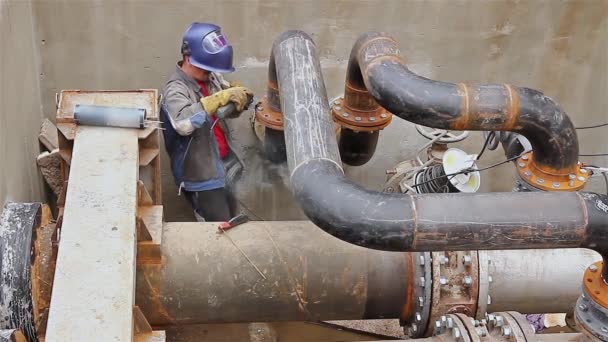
(207, 47)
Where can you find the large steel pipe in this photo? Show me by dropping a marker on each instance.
(375, 64)
(533, 281)
(399, 222)
(309, 275)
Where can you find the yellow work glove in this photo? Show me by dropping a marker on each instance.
(238, 95)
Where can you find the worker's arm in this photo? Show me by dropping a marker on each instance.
(183, 115)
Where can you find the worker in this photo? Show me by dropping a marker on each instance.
(196, 138)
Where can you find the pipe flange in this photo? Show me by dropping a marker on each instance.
(594, 285)
(415, 325)
(591, 312)
(591, 317)
(550, 180)
(454, 327)
(359, 120)
(502, 326)
(455, 285)
(267, 116)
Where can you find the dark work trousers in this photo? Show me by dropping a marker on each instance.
(218, 205)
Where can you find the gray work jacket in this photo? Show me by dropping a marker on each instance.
(195, 160)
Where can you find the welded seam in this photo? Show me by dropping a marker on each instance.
(315, 159)
(513, 110)
(463, 121)
(369, 41)
(415, 220)
(290, 277)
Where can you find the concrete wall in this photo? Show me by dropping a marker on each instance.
(559, 47)
(20, 107)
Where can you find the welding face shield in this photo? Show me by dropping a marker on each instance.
(208, 48)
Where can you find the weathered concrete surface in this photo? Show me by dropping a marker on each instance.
(49, 164)
(20, 109)
(558, 47)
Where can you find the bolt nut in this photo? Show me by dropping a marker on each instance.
(524, 157)
(467, 281)
(421, 260)
(540, 181)
(437, 325)
(522, 165)
(345, 115)
(421, 280)
(357, 118)
(571, 176)
(414, 328)
(420, 301)
(466, 260)
(418, 317)
(593, 268)
(528, 173)
(450, 322)
(456, 333)
(336, 102)
(490, 279)
(505, 331)
(581, 178)
(499, 321)
(481, 332)
(489, 300)
(383, 116)
(373, 118)
(443, 260)
(338, 108)
(583, 170)
(443, 320)
(583, 307)
(556, 185)
(604, 330)
(443, 280)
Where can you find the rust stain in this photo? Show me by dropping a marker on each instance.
(408, 308)
(155, 298)
(462, 122)
(513, 110)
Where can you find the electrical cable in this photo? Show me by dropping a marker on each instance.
(249, 210)
(437, 183)
(593, 126)
(467, 170)
(485, 144)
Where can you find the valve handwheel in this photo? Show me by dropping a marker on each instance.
(447, 136)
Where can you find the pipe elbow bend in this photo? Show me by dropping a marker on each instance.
(351, 213)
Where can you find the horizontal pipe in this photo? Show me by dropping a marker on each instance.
(402, 222)
(375, 64)
(308, 275)
(536, 280)
(312, 276)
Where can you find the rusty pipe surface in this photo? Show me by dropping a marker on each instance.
(308, 275)
(402, 222)
(375, 64)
